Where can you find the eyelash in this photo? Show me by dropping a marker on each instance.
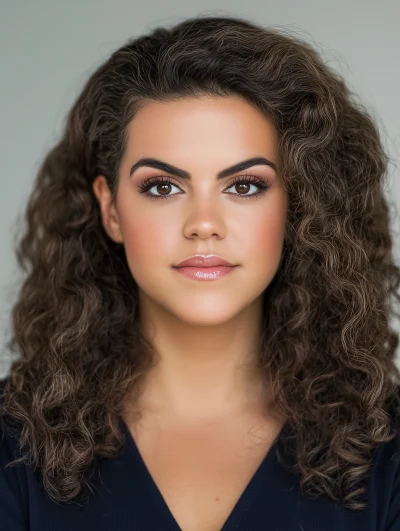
(251, 179)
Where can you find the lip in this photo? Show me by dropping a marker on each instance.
(205, 273)
(200, 261)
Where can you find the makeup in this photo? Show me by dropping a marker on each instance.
(205, 273)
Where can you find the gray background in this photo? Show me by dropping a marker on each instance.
(48, 48)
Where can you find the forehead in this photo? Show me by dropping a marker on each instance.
(199, 124)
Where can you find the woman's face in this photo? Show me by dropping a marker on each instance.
(200, 214)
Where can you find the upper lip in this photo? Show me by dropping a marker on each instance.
(202, 260)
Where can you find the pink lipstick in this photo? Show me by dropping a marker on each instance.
(204, 267)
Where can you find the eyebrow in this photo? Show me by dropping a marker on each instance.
(169, 168)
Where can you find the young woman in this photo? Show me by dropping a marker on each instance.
(203, 333)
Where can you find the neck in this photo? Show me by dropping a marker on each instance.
(203, 372)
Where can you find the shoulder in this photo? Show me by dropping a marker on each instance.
(385, 480)
(13, 479)
(9, 434)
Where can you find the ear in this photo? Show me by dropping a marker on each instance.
(109, 214)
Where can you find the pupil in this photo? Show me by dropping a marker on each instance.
(245, 185)
(161, 186)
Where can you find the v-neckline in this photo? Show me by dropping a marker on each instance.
(240, 508)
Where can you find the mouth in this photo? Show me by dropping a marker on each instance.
(204, 261)
(205, 273)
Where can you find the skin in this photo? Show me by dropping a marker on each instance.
(206, 332)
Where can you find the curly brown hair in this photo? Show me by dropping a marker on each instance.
(328, 351)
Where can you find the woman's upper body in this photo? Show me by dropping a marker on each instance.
(215, 136)
(125, 494)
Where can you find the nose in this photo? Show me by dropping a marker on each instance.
(204, 221)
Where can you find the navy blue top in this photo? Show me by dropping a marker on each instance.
(125, 497)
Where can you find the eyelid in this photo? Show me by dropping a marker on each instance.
(231, 179)
(261, 184)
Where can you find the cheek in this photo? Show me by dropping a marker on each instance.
(265, 242)
(146, 237)
(144, 249)
(269, 234)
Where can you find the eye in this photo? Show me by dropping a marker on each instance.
(156, 182)
(246, 182)
(163, 183)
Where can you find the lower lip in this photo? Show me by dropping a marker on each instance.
(205, 273)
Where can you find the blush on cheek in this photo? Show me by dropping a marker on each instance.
(270, 233)
(144, 242)
(267, 246)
